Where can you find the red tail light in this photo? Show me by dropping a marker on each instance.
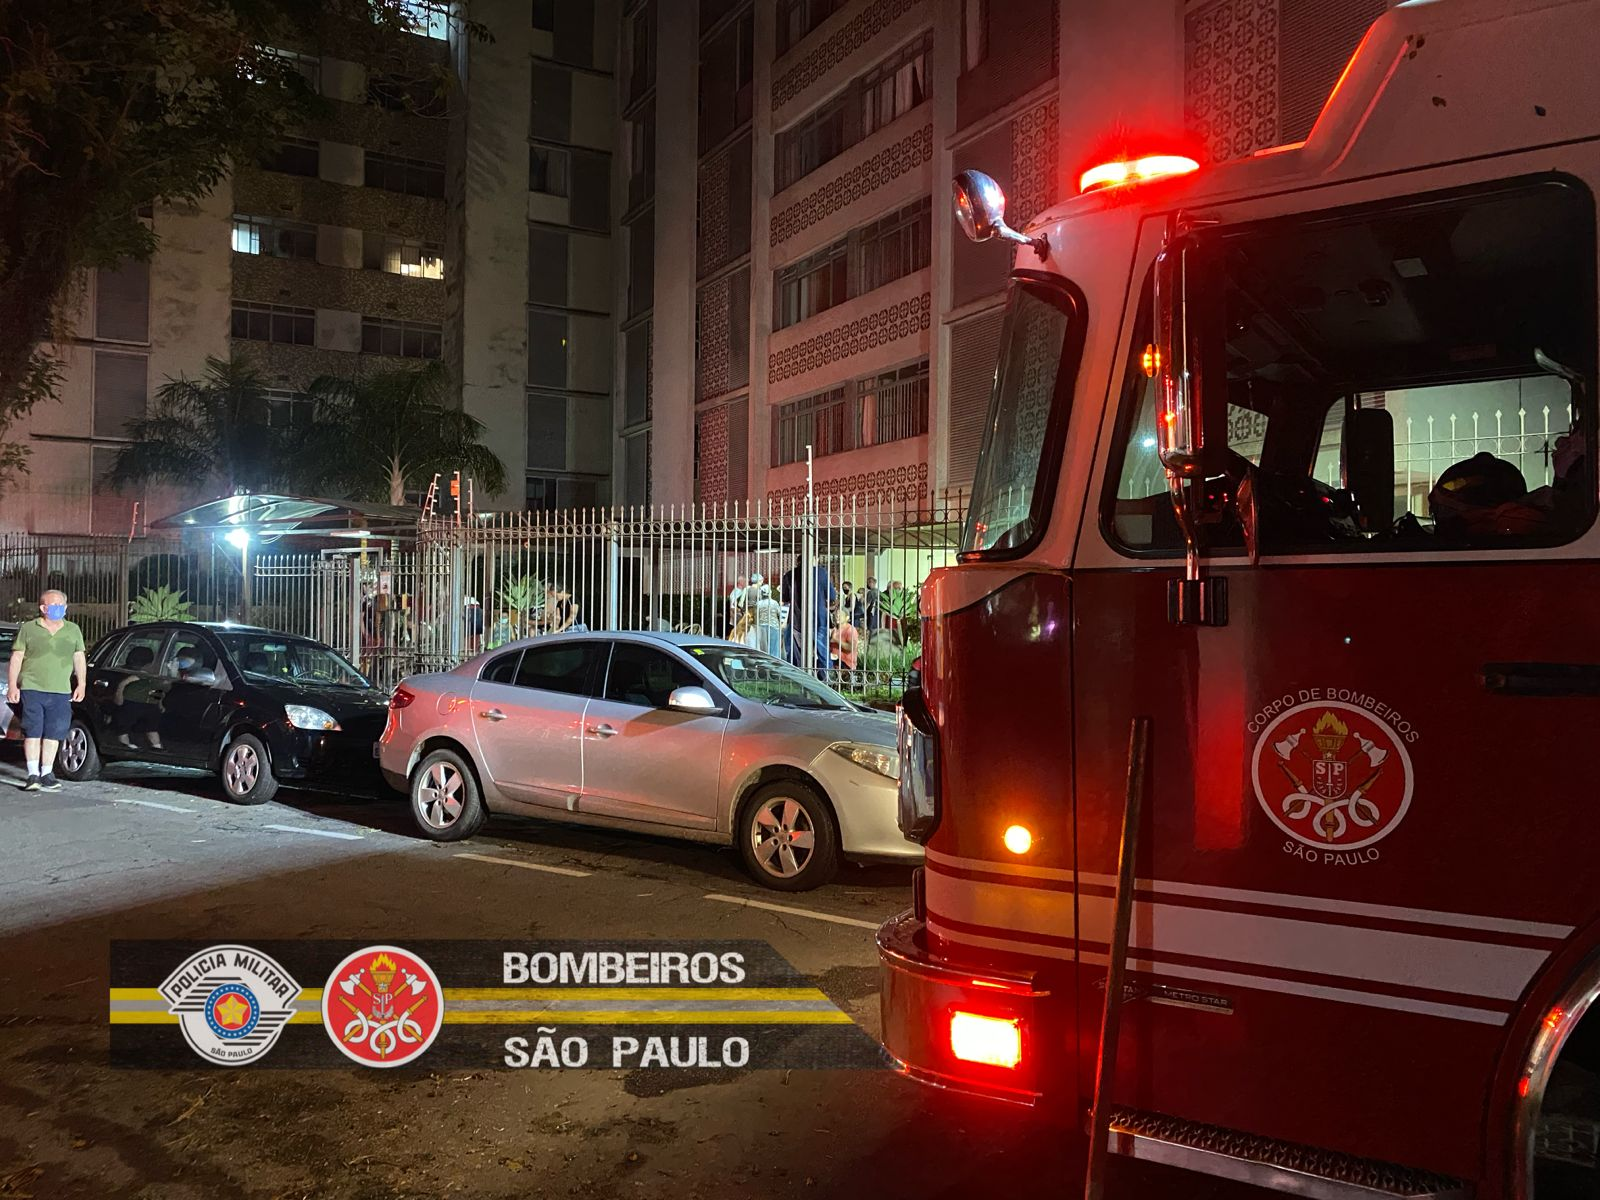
(992, 1041)
(402, 697)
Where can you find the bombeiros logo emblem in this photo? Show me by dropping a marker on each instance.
(231, 1002)
(382, 1006)
(1332, 771)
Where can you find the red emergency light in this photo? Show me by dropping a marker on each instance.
(1123, 171)
(991, 1041)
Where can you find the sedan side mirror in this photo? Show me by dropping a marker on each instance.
(691, 700)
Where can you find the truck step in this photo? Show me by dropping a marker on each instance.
(1267, 1162)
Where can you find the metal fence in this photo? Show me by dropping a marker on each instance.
(772, 576)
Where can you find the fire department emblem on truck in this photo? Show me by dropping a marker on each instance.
(383, 1006)
(1333, 776)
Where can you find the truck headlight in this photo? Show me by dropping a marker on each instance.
(303, 716)
(873, 758)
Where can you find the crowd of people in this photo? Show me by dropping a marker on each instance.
(772, 618)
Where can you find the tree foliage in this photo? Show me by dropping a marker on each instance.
(387, 435)
(209, 431)
(108, 107)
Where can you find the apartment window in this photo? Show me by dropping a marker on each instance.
(896, 85)
(122, 302)
(544, 15)
(401, 339)
(424, 96)
(410, 176)
(426, 18)
(726, 70)
(642, 157)
(551, 118)
(274, 323)
(547, 430)
(871, 411)
(818, 138)
(549, 170)
(287, 409)
(307, 66)
(974, 33)
(403, 256)
(641, 265)
(274, 237)
(547, 349)
(896, 245)
(547, 266)
(796, 18)
(641, 52)
(121, 388)
(294, 156)
(813, 285)
(892, 88)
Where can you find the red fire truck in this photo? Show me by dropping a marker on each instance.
(1294, 457)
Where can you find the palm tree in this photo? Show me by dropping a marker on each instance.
(212, 430)
(388, 434)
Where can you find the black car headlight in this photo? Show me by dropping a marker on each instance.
(918, 808)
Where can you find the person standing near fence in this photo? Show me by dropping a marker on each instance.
(46, 677)
(769, 622)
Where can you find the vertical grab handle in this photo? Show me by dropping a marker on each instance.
(1111, 1014)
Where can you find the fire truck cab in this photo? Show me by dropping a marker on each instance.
(1294, 456)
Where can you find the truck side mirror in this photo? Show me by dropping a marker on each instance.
(981, 212)
(1186, 361)
(1367, 453)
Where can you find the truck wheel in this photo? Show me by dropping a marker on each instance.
(246, 771)
(445, 801)
(79, 758)
(787, 837)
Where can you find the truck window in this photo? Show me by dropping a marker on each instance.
(1015, 479)
(1443, 343)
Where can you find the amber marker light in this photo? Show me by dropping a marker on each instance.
(1135, 170)
(1018, 839)
(992, 1041)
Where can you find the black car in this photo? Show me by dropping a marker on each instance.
(259, 708)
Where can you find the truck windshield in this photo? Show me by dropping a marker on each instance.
(1022, 438)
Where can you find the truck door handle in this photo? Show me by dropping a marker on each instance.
(492, 714)
(1541, 679)
(602, 731)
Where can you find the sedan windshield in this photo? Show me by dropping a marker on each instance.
(265, 656)
(767, 680)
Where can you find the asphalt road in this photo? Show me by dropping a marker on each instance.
(156, 854)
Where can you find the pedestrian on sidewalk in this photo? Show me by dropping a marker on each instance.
(46, 677)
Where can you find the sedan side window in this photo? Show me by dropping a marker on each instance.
(646, 677)
(502, 669)
(190, 658)
(571, 668)
(139, 651)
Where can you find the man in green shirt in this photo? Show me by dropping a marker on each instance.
(46, 676)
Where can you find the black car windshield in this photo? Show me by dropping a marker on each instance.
(767, 680)
(267, 656)
(1023, 434)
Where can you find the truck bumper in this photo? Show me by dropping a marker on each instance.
(926, 997)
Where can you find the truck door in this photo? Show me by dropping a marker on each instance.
(1368, 826)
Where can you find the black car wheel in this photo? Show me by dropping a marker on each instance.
(78, 760)
(787, 838)
(445, 801)
(246, 771)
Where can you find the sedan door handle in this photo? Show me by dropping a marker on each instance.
(493, 714)
(602, 731)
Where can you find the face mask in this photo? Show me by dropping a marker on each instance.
(54, 612)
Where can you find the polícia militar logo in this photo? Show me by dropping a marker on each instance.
(231, 1002)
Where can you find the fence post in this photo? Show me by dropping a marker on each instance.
(458, 593)
(122, 585)
(613, 575)
(353, 614)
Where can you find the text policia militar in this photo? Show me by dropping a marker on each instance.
(632, 968)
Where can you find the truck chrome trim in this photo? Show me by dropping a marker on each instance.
(1268, 1163)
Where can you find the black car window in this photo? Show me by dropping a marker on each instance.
(7, 638)
(140, 651)
(103, 650)
(188, 653)
(571, 668)
(502, 669)
(645, 676)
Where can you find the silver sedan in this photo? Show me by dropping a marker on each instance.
(658, 732)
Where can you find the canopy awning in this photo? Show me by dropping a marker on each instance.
(281, 515)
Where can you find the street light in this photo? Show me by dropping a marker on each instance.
(239, 539)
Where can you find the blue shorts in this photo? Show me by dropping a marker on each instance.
(46, 715)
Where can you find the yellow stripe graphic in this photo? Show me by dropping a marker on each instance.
(548, 1017)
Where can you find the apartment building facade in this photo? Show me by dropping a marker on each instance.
(825, 307)
(405, 225)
